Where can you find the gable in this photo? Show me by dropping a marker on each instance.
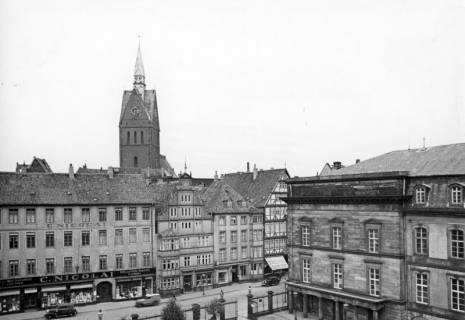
(134, 109)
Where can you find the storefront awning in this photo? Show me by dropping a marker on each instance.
(276, 263)
(9, 293)
(52, 289)
(30, 290)
(81, 286)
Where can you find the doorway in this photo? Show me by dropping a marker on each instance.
(235, 277)
(104, 292)
(187, 280)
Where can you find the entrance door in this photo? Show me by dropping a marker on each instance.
(187, 280)
(235, 277)
(104, 292)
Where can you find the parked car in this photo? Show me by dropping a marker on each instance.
(271, 281)
(149, 300)
(61, 310)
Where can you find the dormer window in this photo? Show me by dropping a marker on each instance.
(227, 203)
(456, 194)
(420, 195)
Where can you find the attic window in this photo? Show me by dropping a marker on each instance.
(241, 203)
(32, 193)
(227, 203)
(95, 199)
(68, 193)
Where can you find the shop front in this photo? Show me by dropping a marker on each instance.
(30, 298)
(82, 293)
(10, 301)
(54, 295)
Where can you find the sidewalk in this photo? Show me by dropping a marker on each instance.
(285, 315)
(116, 305)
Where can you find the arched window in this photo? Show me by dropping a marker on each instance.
(135, 162)
(135, 137)
(421, 241)
(128, 137)
(142, 137)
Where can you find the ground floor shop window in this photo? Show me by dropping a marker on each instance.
(129, 290)
(9, 304)
(82, 296)
(53, 298)
(169, 283)
(221, 277)
(204, 279)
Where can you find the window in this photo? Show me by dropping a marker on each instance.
(142, 137)
(68, 238)
(243, 219)
(233, 236)
(118, 214)
(337, 237)
(222, 221)
(244, 252)
(102, 215)
(119, 236)
(68, 215)
(31, 267)
(135, 137)
(374, 281)
(50, 239)
(146, 234)
(128, 138)
(50, 265)
(85, 260)
(85, 238)
(49, 215)
(420, 195)
(102, 262)
(136, 162)
(233, 253)
(221, 277)
(132, 235)
(145, 213)
(337, 276)
(30, 216)
(233, 220)
(305, 235)
(146, 259)
(457, 244)
(132, 214)
(14, 241)
(14, 268)
(373, 240)
(421, 241)
(102, 237)
(456, 194)
(186, 261)
(119, 261)
(222, 256)
(222, 236)
(68, 264)
(13, 216)
(421, 287)
(306, 270)
(30, 240)
(243, 235)
(257, 219)
(85, 215)
(133, 260)
(457, 294)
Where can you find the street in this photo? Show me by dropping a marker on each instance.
(123, 309)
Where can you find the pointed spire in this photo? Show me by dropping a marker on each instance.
(139, 68)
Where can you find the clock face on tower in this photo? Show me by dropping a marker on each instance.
(135, 111)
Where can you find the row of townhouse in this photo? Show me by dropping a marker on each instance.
(381, 239)
(86, 238)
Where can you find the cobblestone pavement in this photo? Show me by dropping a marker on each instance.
(123, 309)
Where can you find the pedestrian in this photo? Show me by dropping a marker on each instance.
(100, 314)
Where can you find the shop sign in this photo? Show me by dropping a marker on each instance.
(74, 277)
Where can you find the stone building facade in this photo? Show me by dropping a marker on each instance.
(381, 239)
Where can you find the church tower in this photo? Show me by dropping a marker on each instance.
(139, 128)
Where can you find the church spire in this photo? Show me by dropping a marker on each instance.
(139, 73)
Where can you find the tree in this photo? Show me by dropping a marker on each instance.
(214, 308)
(172, 311)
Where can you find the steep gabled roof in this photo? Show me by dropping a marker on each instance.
(39, 165)
(439, 160)
(256, 191)
(220, 192)
(131, 97)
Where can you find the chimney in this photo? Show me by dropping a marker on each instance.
(71, 171)
(248, 166)
(255, 172)
(357, 160)
(337, 165)
(215, 177)
(110, 172)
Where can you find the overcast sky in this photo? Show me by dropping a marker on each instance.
(270, 82)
